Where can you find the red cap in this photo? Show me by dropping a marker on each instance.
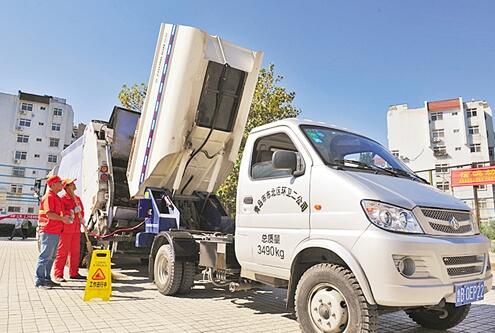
(68, 181)
(52, 180)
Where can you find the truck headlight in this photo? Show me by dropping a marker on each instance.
(391, 217)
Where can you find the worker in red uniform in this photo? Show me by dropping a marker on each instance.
(50, 224)
(69, 245)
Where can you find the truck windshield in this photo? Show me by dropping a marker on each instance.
(354, 152)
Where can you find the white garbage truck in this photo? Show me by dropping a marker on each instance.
(327, 213)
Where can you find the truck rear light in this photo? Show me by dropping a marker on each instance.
(104, 177)
(104, 168)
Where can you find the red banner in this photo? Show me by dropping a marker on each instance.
(19, 216)
(472, 177)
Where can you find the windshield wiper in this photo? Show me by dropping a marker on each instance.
(408, 174)
(366, 166)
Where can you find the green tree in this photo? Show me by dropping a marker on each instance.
(133, 97)
(271, 102)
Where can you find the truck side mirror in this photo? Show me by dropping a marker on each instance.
(284, 159)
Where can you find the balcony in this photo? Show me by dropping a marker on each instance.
(440, 153)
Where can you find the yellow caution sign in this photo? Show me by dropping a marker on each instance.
(99, 281)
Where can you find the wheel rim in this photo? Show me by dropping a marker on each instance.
(163, 274)
(328, 309)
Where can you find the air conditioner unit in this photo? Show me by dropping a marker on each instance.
(436, 139)
(18, 128)
(16, 161)
(22, 111)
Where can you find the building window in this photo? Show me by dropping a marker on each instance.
(25, 122)
(471, 113)
(436, 116)
(457, 148)
(438, 134)
(477, 165)
(34, 172)
(444, 186)
(454, 113)
(42, 108)
(65, 146)
(30, 210)
(475, 148)
(473, 129)
(38, 139)
(36, 155)
(16, 189)
(481, 187)
(456, 130)
(482, 203)
(395, 153)
(20, 155)
(55, 127)
(57, 112)
(18, 171)
(41, 124)
(441, 168)
(22, 138)
(52, 158)
(14, 209)
(27, 107)
(54, 142)
(440, 151)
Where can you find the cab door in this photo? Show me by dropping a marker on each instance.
(273, 208)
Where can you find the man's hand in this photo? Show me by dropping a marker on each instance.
(66, 219)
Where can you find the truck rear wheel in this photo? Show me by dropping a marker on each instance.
(330, 300)
(168, 272)
(188, 273)
(440, 320)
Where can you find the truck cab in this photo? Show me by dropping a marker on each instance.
(349, 229)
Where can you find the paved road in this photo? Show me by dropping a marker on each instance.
(137, 307)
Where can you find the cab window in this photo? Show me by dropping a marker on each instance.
(261, 160)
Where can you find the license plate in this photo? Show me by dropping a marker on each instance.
(469, 292)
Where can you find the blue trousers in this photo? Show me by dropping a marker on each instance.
(48, 250)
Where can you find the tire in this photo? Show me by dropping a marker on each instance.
(332, 294)
(168, 272)
(188, 273)
(432, 319)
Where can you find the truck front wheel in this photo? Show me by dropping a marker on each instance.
(168, 272)
(330, 300)
(440, 320)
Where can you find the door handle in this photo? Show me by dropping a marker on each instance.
(248, 200)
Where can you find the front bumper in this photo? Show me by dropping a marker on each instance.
(375, 249)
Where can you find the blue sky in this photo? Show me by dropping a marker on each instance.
(347, 61)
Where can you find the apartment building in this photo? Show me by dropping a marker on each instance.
(34, 130)
(442, 135)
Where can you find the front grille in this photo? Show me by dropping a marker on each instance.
(449, 230)
(446, 215)
(464, 265)
(448, 221)
(458, 271)
(463, 260)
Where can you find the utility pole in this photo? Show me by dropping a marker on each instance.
(476, 204)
